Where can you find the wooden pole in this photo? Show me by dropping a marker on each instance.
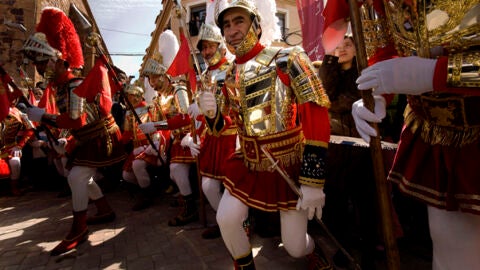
(383, 196)
(193, 132)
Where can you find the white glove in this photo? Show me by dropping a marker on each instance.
(60, 148)
(404, 75)
(313, 201)
(362, 115)
(138, 150)
(151, 151)
(207, 104)
(148, 127)
(187, 141)
(193, 110)
(35, 114)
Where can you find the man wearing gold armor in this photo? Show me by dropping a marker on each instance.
(216, 146)
(143, 154)
(97, 137)
(278, 103)
(15, 131)
(171, 107)
(436, 161)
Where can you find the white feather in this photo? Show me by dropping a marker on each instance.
(168, 47)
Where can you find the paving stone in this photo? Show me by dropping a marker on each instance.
(33, 224)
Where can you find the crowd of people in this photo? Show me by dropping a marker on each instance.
(257, 137)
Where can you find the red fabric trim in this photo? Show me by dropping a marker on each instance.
(178, 121)
(252, 53)
(440, 75)
(64, 121)
(127, 135)
(283, 77)
(440, 80)
(217, 65)
(315, 122)
(27, 134)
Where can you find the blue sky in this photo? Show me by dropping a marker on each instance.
(126, 26)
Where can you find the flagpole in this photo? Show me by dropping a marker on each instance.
(203, 214)
(393, 258)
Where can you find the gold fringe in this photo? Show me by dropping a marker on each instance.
(434, 134)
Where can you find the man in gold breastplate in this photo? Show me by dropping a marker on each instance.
(171, 110)
(56, 50)
(277, 102)
(216, 147)
(437, 158)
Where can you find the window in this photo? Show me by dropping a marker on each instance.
(197, 18)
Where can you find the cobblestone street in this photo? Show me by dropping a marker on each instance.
(31, 225)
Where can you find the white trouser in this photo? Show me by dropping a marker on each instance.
(232, 213)
(179, 175)
(15, 168)
(139, 175)
(456, 239)
(60, 164)
(211, 189)
(83, 187)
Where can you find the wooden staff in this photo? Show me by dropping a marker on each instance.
(193, 132)
(383, 196)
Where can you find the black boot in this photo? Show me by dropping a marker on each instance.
(144, 199)
(244, 263)
(188, 213)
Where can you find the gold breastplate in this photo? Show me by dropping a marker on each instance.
(422, 25)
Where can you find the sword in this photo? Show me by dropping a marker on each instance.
(296, 190)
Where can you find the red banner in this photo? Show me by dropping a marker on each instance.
(181, 63)
(97, 82)
(311, 21)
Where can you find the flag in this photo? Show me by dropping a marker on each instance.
(335, 14)
(97, 83)
(308, 12)
(181, 64)
(31, 97)
(48, 100)
(4, 102)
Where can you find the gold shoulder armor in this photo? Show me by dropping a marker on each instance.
(304, 81)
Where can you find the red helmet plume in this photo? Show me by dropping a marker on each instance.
(61, 35)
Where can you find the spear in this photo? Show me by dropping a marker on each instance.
(203, 215)
(393, 258)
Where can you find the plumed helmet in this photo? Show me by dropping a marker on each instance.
(61, 35)
(209, 32)
(133, 89)
(262, 13)
(36, 48)
(162, 59)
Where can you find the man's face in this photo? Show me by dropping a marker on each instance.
(236, 23)
(208, 49)
(50, 68)
(158, 82)
(134, 99)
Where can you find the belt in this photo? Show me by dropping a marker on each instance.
(447, 110)
(285, 146)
